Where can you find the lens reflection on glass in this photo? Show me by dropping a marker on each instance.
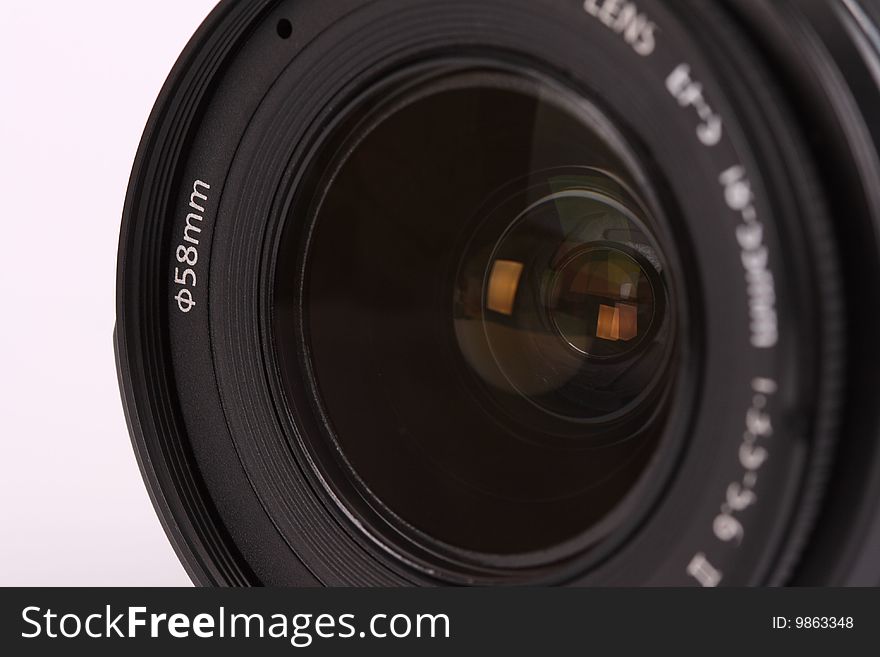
(602, 302)
(573, 317)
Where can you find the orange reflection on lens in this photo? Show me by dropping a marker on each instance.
(618, 323)
(503, 286)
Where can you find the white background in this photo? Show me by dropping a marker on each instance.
(77, 82)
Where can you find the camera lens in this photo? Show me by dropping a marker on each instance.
(511, 292)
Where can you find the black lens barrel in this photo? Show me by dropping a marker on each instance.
(504, 291)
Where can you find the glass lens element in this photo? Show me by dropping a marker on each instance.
(487, 314)
(602, 302)
(573, 314)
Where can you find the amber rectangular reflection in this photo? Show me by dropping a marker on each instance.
(503, 286)
(618, 323)
(609, 324)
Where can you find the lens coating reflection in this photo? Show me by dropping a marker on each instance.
(602, 302)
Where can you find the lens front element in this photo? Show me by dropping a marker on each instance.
(488, 317)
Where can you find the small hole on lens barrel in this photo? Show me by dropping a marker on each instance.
(285, 28)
